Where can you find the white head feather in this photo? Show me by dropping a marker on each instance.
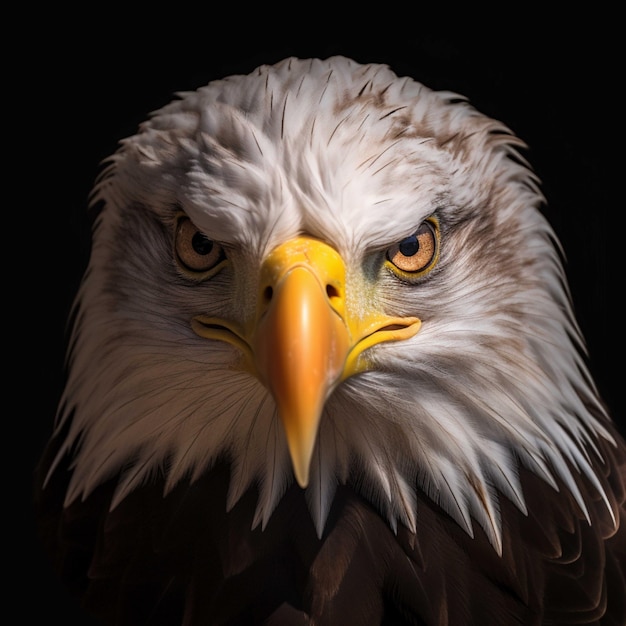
(358, 157)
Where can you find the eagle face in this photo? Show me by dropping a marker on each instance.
(323, 270)
(333, 276)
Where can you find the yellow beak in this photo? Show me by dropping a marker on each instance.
(303, 342)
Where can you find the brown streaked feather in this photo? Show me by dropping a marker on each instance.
(182, 559)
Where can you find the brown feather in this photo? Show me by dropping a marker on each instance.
(182, 559)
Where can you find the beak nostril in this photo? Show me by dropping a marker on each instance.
(332, 292)
(268, 292)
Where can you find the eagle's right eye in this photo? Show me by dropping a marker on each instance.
(195, 252)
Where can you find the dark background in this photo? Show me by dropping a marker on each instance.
(78, 84)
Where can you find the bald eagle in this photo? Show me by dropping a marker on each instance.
(324, 369)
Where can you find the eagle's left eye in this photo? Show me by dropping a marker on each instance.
(195, 251)
(416, 254)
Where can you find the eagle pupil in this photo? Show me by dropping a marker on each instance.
(201, 243)
(409, 246)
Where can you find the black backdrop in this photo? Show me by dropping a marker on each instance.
(84, 83)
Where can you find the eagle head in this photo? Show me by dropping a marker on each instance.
(326, 274)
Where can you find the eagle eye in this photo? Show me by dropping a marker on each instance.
(195, 252)
(415, 255)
